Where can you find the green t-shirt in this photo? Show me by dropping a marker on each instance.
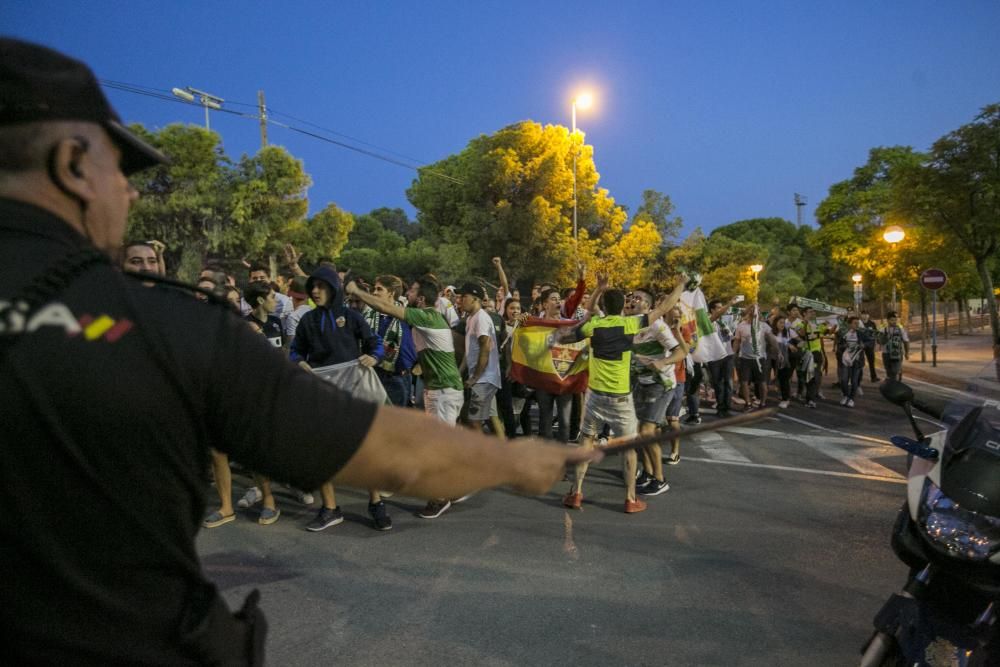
(611, 350)
(435, 348)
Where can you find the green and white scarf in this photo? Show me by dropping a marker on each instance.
(391, 341)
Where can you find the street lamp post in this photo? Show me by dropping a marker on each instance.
(857, 292)
(756, 269)
(207, 100)
(584, 100)
(893, 235)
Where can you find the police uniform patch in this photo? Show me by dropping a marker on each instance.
(341, 321)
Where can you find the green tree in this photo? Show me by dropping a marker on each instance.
(658, 209)
(268, 203)
(510, 194)
(184, 203)
(856, 212)
(957, 191)
(791, 267)
(396, 220)
(321, 237)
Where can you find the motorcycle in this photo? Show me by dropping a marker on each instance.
(948, 534)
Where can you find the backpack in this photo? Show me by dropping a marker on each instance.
(893, 346)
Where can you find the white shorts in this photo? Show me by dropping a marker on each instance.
(445, 404)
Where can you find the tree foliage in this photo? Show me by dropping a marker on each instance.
(203, 204)
(791, 266)
(184, 203)
(956, 192)
(510, 194)
(658, 209)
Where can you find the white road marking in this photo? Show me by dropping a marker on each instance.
(756, 432)
(718, 449)
(833, 430)
(829, 473)
(851, 457)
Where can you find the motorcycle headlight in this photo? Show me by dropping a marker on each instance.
(960, 532)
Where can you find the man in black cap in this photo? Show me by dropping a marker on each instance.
(111, 399)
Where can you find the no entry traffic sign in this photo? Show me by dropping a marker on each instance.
(933, 279)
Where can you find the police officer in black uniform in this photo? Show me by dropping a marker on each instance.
(111, 392)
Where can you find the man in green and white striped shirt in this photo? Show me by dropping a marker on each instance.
(435, 346)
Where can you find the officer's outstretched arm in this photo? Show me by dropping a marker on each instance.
(416, 455)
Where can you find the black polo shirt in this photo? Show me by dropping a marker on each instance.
(109, 400)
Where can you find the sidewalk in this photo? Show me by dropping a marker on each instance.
(958, 358)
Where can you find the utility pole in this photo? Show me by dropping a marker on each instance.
(262, 109)
(800, 201)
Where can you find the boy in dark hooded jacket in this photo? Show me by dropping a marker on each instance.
(331, 334)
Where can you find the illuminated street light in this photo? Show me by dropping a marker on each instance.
(756, 269)
(856, 277)
(893, 235)
(857, 291)
(584, 101)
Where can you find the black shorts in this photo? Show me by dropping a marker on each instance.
(750, 371)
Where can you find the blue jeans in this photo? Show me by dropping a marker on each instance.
(397, 387)
(850, 377)
(721, 374)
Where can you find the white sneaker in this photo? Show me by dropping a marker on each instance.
(304, 497)
(250, 498)
(783, 404)
(850, 402)
(860, 391)
(821, 396)
(843, 401)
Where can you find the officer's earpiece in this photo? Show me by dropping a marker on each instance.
(78, 151)
(80, 147)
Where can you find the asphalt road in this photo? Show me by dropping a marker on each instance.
(771, 547)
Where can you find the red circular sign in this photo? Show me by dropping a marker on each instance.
(933, 279)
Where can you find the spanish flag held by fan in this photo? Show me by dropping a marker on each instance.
(538, 361)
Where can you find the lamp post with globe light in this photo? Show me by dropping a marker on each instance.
(857, 291)
(583, 101)
(893, 235)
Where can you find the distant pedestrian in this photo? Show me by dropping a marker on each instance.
(851, 357)
(869, 333)
(895, 344)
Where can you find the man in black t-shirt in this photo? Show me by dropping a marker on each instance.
(260, 295)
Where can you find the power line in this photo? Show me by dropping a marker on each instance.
(348, 137)
(160, 94)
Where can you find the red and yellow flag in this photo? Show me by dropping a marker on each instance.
(541, 363)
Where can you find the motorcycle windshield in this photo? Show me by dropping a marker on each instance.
(970, 473)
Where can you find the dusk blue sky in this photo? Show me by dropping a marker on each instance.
(728, 107)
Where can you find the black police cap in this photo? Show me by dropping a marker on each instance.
(39, 84)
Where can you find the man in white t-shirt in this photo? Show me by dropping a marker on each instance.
(482, 358)
(753, 336)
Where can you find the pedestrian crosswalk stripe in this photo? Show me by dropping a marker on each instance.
(828, 473)
(855, 457)
(716, 447)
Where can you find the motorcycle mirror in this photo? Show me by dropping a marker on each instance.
(896, 392)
